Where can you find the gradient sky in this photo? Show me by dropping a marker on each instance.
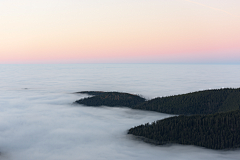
(120, 31)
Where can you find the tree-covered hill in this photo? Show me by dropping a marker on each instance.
(110, 99)
(201, 102)
(217, 131)
(214, 122)
(92, 93)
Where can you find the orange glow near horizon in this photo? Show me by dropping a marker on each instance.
(118, 32)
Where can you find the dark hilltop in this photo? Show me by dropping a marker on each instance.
(201, 102)
(214, 131)
(111, 99)
(209, 118)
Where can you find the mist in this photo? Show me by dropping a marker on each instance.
(37, 125)
(38, 120)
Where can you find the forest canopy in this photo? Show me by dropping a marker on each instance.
(217, 131)
(201, 102)
(209, 118)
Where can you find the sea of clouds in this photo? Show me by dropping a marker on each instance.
(37, 125)
(38, 120)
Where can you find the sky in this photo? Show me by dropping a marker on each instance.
(119, 31)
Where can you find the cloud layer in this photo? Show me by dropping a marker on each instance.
(48, 127)
(38, 120)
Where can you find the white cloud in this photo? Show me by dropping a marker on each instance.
(40, 123)
(46, 126)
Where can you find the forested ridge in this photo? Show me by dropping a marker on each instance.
(209, 118)
(110, 99)
(93, 93)
(201, 102)
(216, 131)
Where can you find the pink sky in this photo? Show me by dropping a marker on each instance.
(174, 31)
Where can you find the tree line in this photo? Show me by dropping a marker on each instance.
(111, 99)
(216, 131)
(202, 102)
(209, 118)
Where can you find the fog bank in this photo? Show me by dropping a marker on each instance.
(39, 122)
(37, 125)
